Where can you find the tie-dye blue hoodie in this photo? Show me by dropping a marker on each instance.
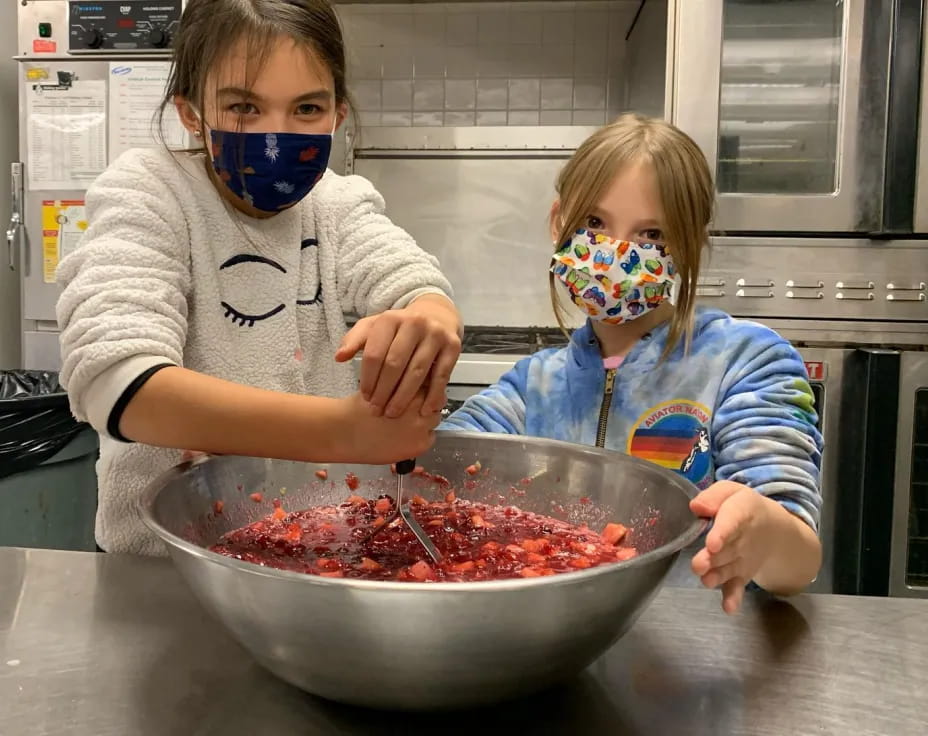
(738, 407)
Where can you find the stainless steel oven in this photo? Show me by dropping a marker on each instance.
(808, 111)
(813, 115)
(909, 538)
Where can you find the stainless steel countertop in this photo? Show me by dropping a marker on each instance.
(116, 645)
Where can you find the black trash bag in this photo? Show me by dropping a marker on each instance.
(35, 420)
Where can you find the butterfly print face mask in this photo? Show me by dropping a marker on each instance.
(270, 171)
(614, 281)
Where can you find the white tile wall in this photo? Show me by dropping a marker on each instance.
(558, 62)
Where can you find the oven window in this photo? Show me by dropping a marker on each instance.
(780, 96)
(916, 571)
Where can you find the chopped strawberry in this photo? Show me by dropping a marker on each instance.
(333, 574)
(256, 497)
(352, 481)
(481, 540)
(294, 532)
(371, 565)
(441, 481)
(473, 469)
(536, 545)
(217, 506)
(584, 548)
(526, 481)
(421, 570)
(614, 533)
(322, 474)
(585, 500)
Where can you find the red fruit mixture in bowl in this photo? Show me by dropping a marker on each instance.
(479, 542)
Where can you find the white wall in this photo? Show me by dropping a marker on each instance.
(500, 63)
(9, 121)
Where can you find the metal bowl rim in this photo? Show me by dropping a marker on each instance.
(695, 529)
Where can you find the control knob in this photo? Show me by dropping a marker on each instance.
(93, 39)
(158, 38)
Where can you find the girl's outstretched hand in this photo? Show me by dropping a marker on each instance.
(739, 542)
(406, 350)
(753, 538)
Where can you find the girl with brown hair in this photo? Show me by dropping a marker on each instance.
(203, 309)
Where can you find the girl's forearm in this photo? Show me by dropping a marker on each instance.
(187, 410)
(796, 558)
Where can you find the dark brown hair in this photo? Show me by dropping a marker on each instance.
(209, 30)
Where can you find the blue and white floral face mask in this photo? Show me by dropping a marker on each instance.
(614, 281)
(270, 171)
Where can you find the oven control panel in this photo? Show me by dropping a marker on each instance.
(120, 26)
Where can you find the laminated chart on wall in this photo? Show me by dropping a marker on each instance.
(63, 223)
(66, 134)
(136, 90)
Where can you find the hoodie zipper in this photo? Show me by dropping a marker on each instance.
(604, 408)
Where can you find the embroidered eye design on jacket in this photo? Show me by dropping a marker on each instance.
(242, 318)
(317, 297)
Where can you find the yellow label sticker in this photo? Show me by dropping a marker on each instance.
(36, 74)
(63, 223)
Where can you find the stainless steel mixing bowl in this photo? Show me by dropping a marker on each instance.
(420, 646)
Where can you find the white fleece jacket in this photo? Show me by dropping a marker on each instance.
(168, 272)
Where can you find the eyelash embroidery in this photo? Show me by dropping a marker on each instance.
(251, 258)
(309, 242)
(248, 320)
(315, 300)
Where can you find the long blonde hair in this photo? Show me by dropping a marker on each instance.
(685, 188)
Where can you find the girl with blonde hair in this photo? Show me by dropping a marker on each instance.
(724, 402)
